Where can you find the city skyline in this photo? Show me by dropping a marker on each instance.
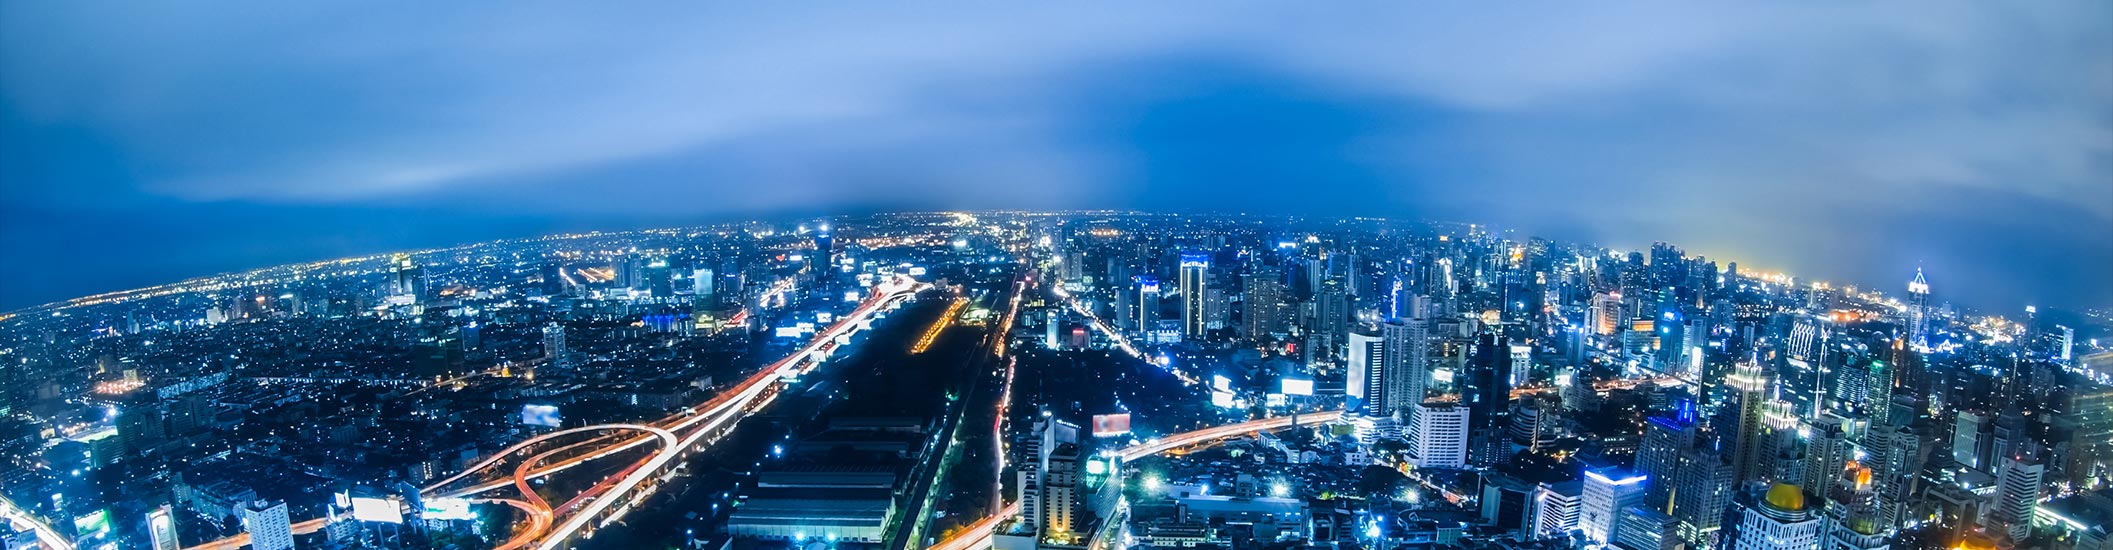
(1967, 139)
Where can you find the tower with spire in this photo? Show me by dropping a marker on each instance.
(1919, 311)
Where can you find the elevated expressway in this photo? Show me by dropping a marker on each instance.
(672, 438)
(978, 535)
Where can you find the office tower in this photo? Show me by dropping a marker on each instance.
(1062, 503)
(161, 529)
(1911, 376)
(1779, 522)
(1606, 313)
(627, 271)
(824, 250)
(1367, 376)
(1749, 386)
(1893, 454)
(1919, 311)
(1966, 438)
(1217, 308)
(406, 278)
(2089, 413)
(703, 283)
(1642, 528)
(1664, 438)
(1407, 360)
(1828, 449)
(659, 280)
(1488, 396)
(1049, 329)
(1147, 303)
(1702, 488)
(2017, 499)
(1531, 421)
(1331, 312)
(1441, 435)
(1607, 492)
(555, 352)
(1195, 275)
(1556, 509)
(1269, 311)
(267, 525)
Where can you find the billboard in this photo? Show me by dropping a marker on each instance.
(1294, 386)
(377, 509)
(540, 415)
(448, 508)
(1111, 425)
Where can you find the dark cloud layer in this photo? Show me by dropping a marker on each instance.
(144, 143)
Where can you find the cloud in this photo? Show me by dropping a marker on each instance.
(1638, 121)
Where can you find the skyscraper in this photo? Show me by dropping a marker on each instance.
(1407, 360)
(1147, 303)
(1488, 396)
(1441, 434)
(1749, 386)
(1664, 437)
(1366, 379)
(555, 352)
(1607, 492)
(2017, 499)
(268, 525)
(1195, 272)
(1919, 311)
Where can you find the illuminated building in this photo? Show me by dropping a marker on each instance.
(555, 352)
(161, 529)
(1919, 311)
(1779, 522)
(1750, 385)
(1407, 362)
(1607, 492)
(1147, 302)
(1441, 435)
(1366, 377)
(2017, 499)
(268, 525)
(1664, 438)
(1195, 275)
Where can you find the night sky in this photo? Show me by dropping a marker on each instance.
(141, 143)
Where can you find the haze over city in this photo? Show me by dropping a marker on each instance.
(1973, 139)
(1083, 276)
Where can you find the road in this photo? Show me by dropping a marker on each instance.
(978, 536)
(678, 433)
(45, 535)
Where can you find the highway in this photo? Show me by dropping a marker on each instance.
(45, 535)
(678, 434)
(978, 536)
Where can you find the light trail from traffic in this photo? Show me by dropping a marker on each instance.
(45, 534)
(679, 432)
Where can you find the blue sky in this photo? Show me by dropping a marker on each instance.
(140, 144)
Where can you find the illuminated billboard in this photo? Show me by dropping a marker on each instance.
(540, 415)
(377, 509)
(448, 509)
(1294, 386)
(1111, 425)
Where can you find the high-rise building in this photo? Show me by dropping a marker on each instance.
(161, 529)
(555, 352)
(1642, 528)
(1749, 386)
(1966, 438)
(1147, 302)
(1664, 437)
(1919, 311)
(2017, 499)
(1269, 311)
(1488, 396)
(1407, 359)
(1366, 377)
(1331, 312)
(1063, 501)
(268, 525)
(1779, 522)
(1702, 488)
(1607, 492)
(1441, 435)
(1556, 509)
(1195, 275)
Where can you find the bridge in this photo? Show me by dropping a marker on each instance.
(673, 438)
(978, 535)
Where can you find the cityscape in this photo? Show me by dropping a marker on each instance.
(1090, 275)
(1016, 380)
